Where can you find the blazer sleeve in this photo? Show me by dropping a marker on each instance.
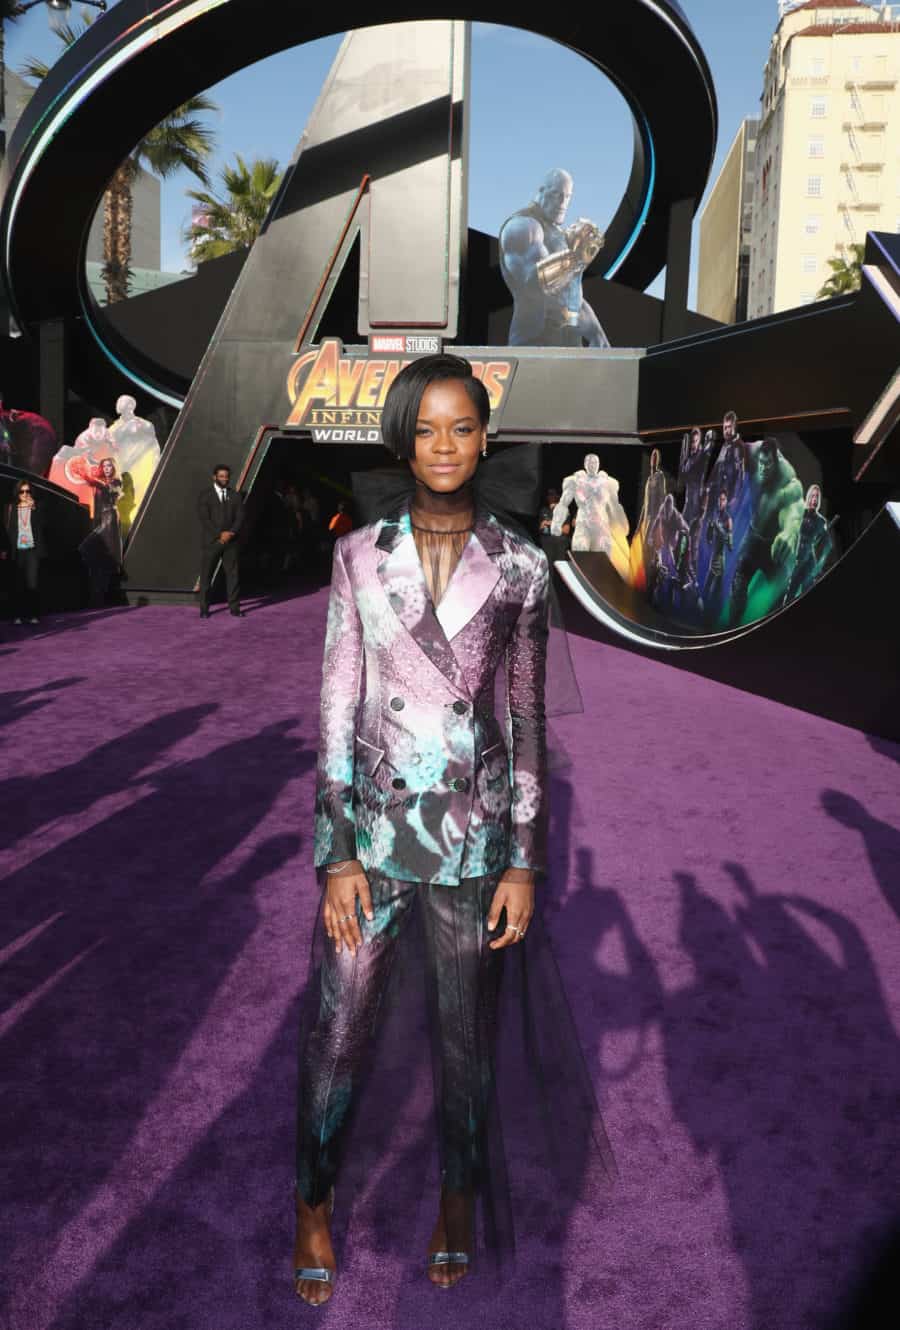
(206, 523)
(335, 826)
(238, 520)
(526, 667)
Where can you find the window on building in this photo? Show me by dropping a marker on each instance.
(856, 64)
(818, 108)
(809, 263)
(816, 147)
(814, 186)
(817, 66)
(880, 66)
(813, 224)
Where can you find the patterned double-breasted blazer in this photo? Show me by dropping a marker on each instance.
(416, 777)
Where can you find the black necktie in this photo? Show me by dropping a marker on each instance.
(224, 495)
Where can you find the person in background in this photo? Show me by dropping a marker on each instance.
(341, 523)
(293, 527)
(24, 547)
(221, 513)
(553, 546)
(313, 541)
(545, 516)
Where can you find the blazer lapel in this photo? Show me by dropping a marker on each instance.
(400, 572)
(474, 577)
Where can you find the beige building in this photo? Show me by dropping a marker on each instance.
(828, 149)
(725, 232)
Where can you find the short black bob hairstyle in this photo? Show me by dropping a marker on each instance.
(401, 406)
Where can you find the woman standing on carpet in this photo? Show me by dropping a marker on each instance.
(25, 541)
(426, 810)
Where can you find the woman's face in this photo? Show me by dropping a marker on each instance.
(449, 437)
(107, 469)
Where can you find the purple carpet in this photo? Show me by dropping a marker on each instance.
(724, 898)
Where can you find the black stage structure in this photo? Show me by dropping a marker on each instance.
(141, 59)
(344, 253)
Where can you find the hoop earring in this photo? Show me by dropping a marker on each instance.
(484, 449)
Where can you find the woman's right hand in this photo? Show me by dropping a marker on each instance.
(339, 910)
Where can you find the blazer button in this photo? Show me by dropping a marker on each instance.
(460, 783)
(398, 783)
(397, 704)
(460, 708)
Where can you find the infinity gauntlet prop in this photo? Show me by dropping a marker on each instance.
(585, 240)
(556, 271)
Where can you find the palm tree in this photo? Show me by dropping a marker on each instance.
(9, 12)
(233, 221)
(845, 276)
(181, 141)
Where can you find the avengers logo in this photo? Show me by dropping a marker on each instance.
(339, 398)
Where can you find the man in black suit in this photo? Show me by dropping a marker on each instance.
(221, 513)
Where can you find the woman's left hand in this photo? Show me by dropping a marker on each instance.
(515, 891)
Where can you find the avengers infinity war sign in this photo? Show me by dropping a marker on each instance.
(338, 396)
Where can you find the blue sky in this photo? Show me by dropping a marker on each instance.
(534, 104)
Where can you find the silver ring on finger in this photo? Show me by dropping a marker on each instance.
(344, 917)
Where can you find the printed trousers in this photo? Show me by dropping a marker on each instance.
(463, 980)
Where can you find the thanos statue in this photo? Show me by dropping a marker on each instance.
(542, 262)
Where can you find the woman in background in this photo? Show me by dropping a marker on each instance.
(25, 548)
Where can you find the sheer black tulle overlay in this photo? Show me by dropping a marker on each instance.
(432, 1067)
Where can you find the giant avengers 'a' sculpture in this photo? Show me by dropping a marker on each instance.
(542, 262)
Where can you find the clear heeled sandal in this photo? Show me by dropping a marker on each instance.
(448, 1258)
(318, 1274)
